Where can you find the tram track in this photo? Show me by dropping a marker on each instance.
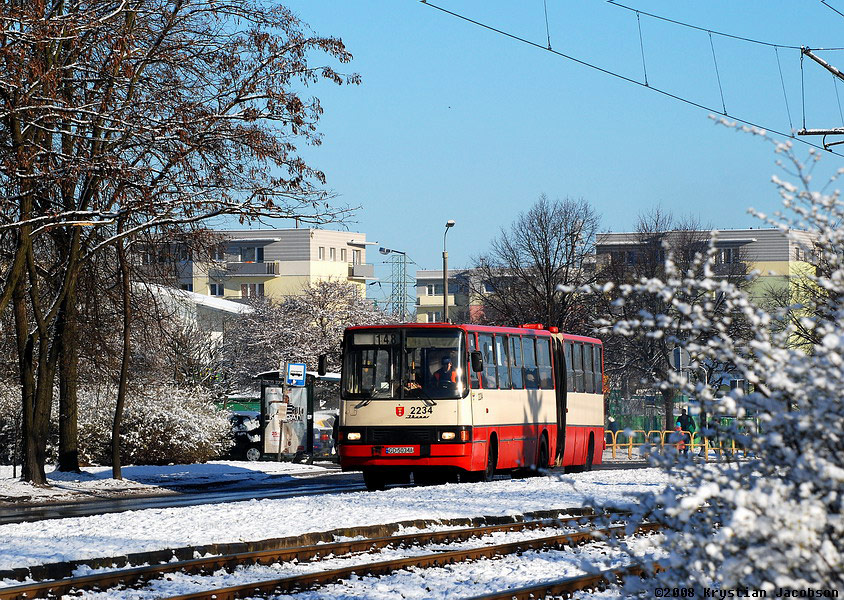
(312, 550)
(564, 588)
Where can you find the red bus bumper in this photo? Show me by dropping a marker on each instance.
(355, 457)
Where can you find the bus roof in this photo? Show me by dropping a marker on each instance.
(479, 329)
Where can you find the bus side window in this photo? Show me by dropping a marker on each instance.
(543, 362)
(569, 367)
(516, 361)
(588, 375)
(473, 376)
(599, 371)
(529, 353)
(490, 379)
(578, 367)
(502, 354)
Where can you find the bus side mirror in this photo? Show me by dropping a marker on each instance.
(477, 361)
(322, 365)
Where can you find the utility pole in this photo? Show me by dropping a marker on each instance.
(449, 224)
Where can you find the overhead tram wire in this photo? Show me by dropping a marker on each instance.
(712, 31)
(633, 81)
(830, 7)
(784, 94)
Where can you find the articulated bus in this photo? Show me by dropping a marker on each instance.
(462, 402)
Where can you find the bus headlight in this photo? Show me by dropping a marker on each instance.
(353, 436)
(447, 435)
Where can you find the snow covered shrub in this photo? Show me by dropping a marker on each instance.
(10, 422)
(772, 521)
(161, 425)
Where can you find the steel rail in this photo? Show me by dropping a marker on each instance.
(63, 570)
(301, 582)
(136, 575)
(566, 587)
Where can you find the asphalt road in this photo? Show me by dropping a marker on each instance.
(286, 487)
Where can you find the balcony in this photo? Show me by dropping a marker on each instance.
(362, 271)
(252, 269)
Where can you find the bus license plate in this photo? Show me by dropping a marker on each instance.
(400, 450)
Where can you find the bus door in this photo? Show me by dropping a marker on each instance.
(562, 362)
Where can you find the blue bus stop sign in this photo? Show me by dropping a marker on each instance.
(296, 374)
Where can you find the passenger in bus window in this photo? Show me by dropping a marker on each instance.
(446, 376)
(531, 375)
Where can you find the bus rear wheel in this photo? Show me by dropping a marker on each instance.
(544, 455)
(590, 453)
(374, 481)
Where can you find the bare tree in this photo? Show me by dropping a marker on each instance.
(660, 240)
(547, 248)
(154, 114)
(296, 329)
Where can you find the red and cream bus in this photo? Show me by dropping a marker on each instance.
(461, 402)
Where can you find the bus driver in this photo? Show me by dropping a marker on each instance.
(446, 376)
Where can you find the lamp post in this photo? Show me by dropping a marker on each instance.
(449, 224)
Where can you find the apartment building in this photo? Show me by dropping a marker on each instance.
(277, 263)
(430, 295)
(777, 258)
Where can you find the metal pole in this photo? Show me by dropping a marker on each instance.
(445, 282)
(448, 225)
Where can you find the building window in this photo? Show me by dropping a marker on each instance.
(321, 253)
(188, 287)
(728, 256)
(251, 290)
(343, 255)
(488, 287)
(631, 257)
(218, 253)
(435, 317)
(251, 254)
(332, 254)
(216, 289)
(356, 257)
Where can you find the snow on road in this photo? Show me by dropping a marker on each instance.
(153, 529)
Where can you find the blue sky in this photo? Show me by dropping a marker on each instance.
(456, 122)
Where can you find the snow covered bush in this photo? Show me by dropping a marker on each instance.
(161, 425)
(774, 520)
(10, 422)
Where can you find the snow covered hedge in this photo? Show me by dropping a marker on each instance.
(161, 425)
(772, 521)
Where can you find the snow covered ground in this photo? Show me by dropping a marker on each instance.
(97, 481)
(152, 529)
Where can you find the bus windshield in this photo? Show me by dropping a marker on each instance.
(404, 363)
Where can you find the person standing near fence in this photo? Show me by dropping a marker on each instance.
(687, 424)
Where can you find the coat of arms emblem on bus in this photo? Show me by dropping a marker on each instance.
(400, 411)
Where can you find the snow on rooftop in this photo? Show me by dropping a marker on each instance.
(201, 299)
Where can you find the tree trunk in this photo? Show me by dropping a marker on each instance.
(123, 382)
(68, 387)
(31, 468)
(36, 377)
(668, 404)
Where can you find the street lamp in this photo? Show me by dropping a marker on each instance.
(449, 224)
